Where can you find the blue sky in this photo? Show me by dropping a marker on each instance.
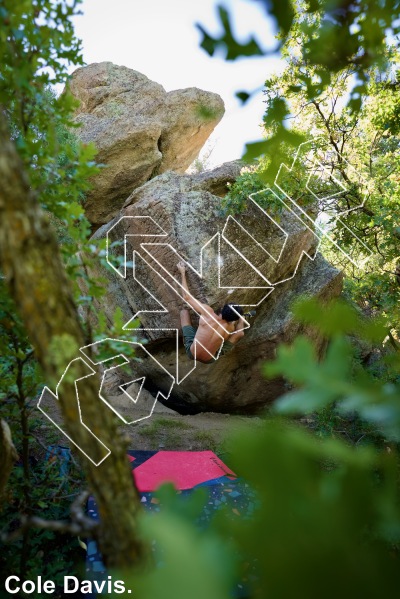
(159, 38)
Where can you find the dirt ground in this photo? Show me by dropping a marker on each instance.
(164, 429)
(193, 433)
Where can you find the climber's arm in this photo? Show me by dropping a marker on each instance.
(197, 305)
(238, 333)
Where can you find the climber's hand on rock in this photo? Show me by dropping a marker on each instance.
(181, 267)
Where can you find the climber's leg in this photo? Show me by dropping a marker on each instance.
(189, 332)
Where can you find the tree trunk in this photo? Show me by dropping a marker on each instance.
(30, 261)
(8, 456)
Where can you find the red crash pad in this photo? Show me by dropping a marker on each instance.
(185, 469)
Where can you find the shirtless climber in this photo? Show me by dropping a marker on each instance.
(228, 322)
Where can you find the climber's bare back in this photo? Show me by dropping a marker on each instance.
(212, 332)
(204, 342)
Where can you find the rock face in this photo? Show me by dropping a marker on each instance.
(139, 129)
(259, 260)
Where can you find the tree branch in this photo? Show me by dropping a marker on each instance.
(30, 260)
(80, 524)
(8, 455)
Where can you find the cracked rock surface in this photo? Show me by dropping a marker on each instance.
(139, 130)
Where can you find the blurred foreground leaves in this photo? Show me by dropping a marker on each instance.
(320, 40)
(327, 516)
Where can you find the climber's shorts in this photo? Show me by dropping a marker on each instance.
(189, 333)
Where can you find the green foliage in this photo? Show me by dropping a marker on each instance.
(331, 423)
(333, 380)
(359, 155)
(206, 113)
(37, 45)
(250, 186)
(237, 198)
(16, 363)
(321, 39)
(274, 149)
(325, 510)
(324, 526)
(195, 563)
(227, 41)
(339, 318)
(281, 10)
(343, 91)
(354, 34)
(49, 493)
(37, 485)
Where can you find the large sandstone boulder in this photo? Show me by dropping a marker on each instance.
(259, 260)
(139, 129)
